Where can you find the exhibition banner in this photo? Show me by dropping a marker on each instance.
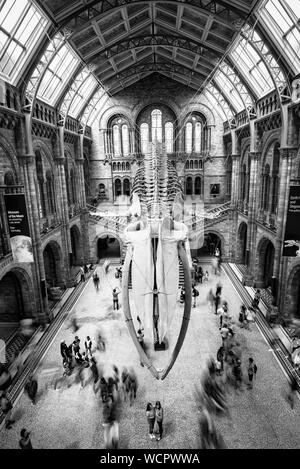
(19, 232)
(291, 246)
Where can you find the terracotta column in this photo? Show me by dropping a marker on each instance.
(287, 155)
(252, 213)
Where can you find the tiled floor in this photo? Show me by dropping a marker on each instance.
(72, 418)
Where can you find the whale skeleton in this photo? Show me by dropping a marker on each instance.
(156, 243)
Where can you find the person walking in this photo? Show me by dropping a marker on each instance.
(211, 299)
(76, 348)
(96, 280)
(206, 275)
(150, 413)
(224, 334)
(140, 336)
(82, 275)
(159, 417)
(200, 273)
(115, 298)
(88, 346)
(6, 407)
(252, 370)
(195, 293)
(103, 389)
(25, 442)
(64, 351)
(31, 387)
(293, 387)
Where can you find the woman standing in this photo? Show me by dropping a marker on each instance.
(150, 412)
(159, 415)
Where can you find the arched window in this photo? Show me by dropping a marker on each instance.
(73, 187)
(189, 186)
(188, 137)
(9, 179)
(197, 185)
(196, 164)
(156, 125)
(198, 131)
(191, 164)
(169, 137)
(50, 192)
(119, 166)
(243, 182)
(126, 187)
(118, 187)
(114, 166)
(127, 166)
(123, 166)
(144, 138)
(125, 140)
(266, 187)
(275, 178)
(116, 140)
(187, 164)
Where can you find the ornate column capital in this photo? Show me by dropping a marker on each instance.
(288, 152)
(27, 158)
(60, 160)
(255, 155)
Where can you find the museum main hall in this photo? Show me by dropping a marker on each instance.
(149, 224)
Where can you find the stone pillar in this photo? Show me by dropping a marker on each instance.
(252, 210)
(66, 237)
(27, 163)
(287, 155)
(233, 215)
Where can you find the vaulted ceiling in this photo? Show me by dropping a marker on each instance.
(126, 40)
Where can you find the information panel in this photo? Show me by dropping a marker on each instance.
(19, 232)
(291, 246)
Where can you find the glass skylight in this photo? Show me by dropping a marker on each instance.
(80, 99)
(57, 74)
(21, 28)
(251, 64)
(281, 19)
(230, 91)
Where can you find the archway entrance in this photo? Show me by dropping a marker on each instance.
(211, 242)
(52, 263)
(16, 302)
(76, 243)
(294, 295)
(242, 243)
(108, 246)
(266, 263)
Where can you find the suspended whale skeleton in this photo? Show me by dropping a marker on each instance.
(155, 244)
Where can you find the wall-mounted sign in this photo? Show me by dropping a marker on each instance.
(291, 246)
(19, 232)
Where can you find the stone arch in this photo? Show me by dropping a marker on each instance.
(53, 262)
(9, 153)
(265, 253)
(117, 252)
(292, 297)
(16, 296)
(108, 114)
(242, 243)
(207, 242)
(166, 101)
(77, 246)
(45, 150)
(200, 108)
